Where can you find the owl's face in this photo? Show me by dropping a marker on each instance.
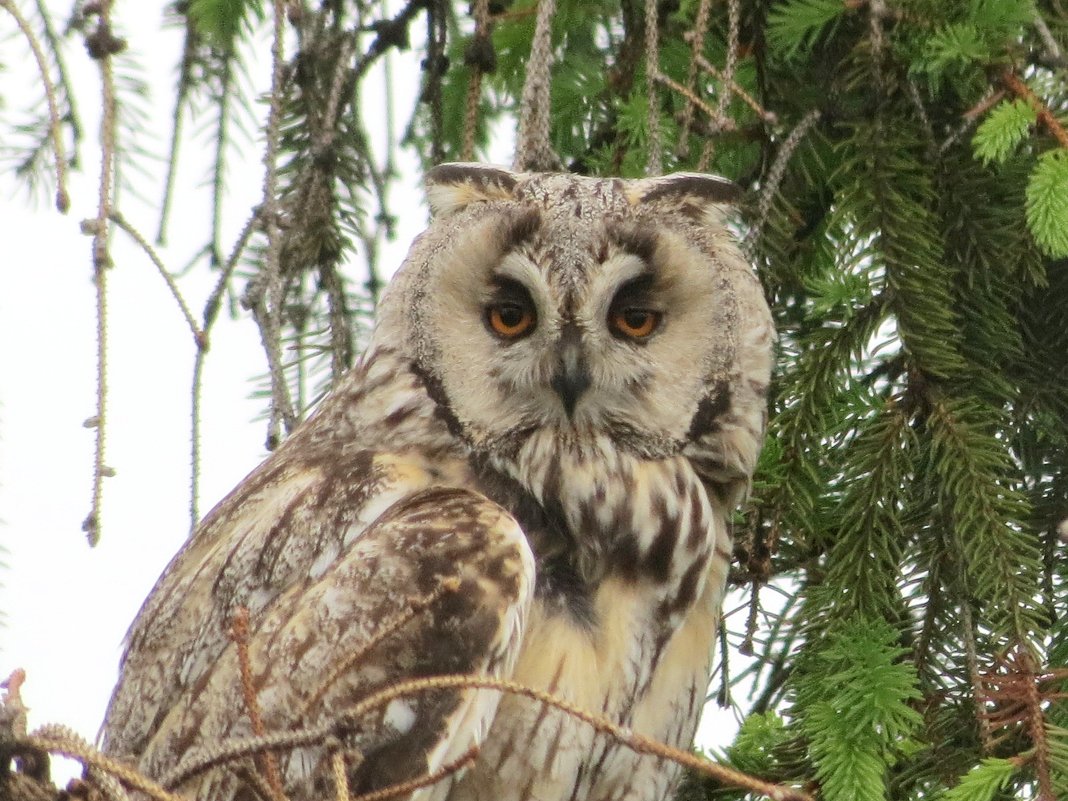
(586, 307)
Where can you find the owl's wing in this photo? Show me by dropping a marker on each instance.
(444, 578)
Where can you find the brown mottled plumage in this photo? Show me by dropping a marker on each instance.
(562, 401)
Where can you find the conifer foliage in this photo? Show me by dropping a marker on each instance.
(901, 586)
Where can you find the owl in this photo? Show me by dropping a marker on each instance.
(528, 475)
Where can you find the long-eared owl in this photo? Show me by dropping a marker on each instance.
(528, 475)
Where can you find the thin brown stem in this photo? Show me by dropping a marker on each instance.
(415, 607)
(697, 42)
(767, 116)
(65, 742)
(119, 220)
(266, 761)
(286, 740)
(1045, 116)
(341, 779)
(465, 760)
(671, 83)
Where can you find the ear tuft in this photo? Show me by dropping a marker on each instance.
(691, 186)
(452, 187)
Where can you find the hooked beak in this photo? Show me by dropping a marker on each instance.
(572, 377)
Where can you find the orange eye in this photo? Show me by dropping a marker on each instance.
(510, 320)
(634, 323)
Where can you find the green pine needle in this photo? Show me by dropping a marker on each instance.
(953, 45)
(1047, 203)
(222, 20)
(854, 699)
(1003, 129)
(795, 26)
(983, 782)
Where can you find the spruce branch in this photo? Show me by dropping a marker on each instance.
(480, 59)
(52, 39)
(266, 301)
(734, 14)
(102, 44)
(54, 128)
(696, 39)
(655, 156)
(533, 146)
(181, 98)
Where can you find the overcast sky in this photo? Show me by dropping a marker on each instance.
(67, 605)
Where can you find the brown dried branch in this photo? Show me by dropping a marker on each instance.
(403, 788)
(696, 39)
(59, 740)
(211, 314)
(65, 742)
(767, 116)
(1045, 116)
(746, 648)
(987, 102)
(54, 127)
(341, 779)
(659, 77)
(14, 709)
(435, 65)
(775, 175)
(625, 736)
(415, 607)
(266, 762)
(1017, 692)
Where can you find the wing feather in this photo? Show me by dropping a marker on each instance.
(445, 573)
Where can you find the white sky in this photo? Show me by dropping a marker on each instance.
(67, 606)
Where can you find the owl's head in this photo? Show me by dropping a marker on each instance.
(584, 306)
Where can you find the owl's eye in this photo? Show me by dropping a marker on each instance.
(634, 323)
(510, 320)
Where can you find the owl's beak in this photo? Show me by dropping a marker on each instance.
(572, 376)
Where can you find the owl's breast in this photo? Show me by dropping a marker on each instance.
(632, 562)
(624, 669)
(593, 513)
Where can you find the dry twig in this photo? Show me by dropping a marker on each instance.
(266, 761)
(414, 607)
(1045, 116)
(403, 788)
(119, 220)
(696, 38)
